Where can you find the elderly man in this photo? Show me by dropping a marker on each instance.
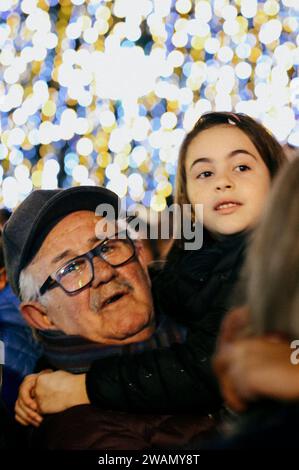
(95, 274)
(70, 281)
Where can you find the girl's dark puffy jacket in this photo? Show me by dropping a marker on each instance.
(196, 289)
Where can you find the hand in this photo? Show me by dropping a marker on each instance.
(252, 368)
(26, 408)
(234, 326)
(57, 391)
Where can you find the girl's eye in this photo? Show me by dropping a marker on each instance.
(204, 174)
(242, 168)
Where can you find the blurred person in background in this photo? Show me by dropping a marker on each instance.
(257, 358)
(21, 348)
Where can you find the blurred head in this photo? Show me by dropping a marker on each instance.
(272, 268)
(226, 163)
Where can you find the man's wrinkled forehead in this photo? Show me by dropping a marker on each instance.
(101, 226)
(72, 226)
(48, 232)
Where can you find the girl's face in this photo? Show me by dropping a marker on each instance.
(226, 174)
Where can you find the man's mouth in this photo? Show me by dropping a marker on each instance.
(113, 298)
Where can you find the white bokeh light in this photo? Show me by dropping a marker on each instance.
(84, 146)
(117, 84)
(270, 31)
(80, 173)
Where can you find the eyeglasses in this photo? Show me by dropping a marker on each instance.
(78, 273)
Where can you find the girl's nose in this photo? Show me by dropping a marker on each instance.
(224, 182)
(220, 186)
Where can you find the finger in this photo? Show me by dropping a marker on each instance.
(278, 338)
(24, 412)
(46, 371)
(24, 418)
(232, 398)
(26, 394)
(21, 421)
(20, 408)
(222, 359)
(233, 324)
(26, 422)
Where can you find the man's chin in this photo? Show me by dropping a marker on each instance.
(143, 335)
(132, 335)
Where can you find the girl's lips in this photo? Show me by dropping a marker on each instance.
(227, 207)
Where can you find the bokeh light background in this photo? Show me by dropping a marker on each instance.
(102, 92)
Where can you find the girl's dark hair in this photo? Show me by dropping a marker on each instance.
(268, 147)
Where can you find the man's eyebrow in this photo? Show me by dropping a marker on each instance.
(231, 154)
(69, 253)
(93, 239)
(63, 255)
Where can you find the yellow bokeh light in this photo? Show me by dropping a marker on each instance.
(49, 108)
(243, 23)
(43, 5)
(158, 203)
(271, 7)
(255, 54)
(172, 105)
(164, 189)
(198, 42)
(37, 178)
(5, 137)
(260, 18)
(104, 159)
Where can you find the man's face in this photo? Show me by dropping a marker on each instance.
(116, 308)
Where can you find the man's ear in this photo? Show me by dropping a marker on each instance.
(35, 314)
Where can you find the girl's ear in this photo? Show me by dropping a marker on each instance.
(35, 315)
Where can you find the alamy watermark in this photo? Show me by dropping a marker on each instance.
(294, 357)
(175, 222)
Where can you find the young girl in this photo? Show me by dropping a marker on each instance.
(263, 365)
(226, 163)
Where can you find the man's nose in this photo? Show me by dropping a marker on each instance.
(103, 271)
